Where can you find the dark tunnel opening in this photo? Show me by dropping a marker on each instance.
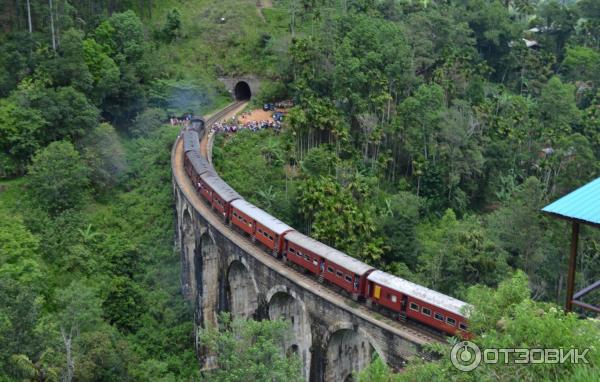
(242, 91)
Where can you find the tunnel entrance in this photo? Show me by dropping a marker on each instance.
(242, 91)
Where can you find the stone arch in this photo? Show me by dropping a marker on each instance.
(348, 349)
(242, 91)
(242, 292)
(206, 267)
(285, 303)
(188, 247)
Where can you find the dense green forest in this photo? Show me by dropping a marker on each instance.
(89, 278)
(426, 137)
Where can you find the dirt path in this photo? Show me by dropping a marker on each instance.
(262, 4)
(256, 115)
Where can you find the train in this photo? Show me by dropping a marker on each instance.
(401, 298)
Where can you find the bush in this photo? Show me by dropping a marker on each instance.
(58, 178)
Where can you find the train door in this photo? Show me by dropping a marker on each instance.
(403, 304)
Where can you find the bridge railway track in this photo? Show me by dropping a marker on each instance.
(411, 331)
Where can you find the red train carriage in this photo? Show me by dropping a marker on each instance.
(422, 304)
(217, 193)
(191, 141)
(259, 225)
(334, 266)
(195, 166)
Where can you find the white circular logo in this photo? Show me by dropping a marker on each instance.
(465, 356)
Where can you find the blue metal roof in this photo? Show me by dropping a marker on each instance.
(582, 204)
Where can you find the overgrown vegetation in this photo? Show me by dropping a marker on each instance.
(89, 280)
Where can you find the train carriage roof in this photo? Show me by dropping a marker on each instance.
(219, 186)
(411, 289)
(191, 142)
(329, 253)
(200, 164)
(261, 216)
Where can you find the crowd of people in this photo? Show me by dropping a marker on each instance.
(180, 121)
(232, 125)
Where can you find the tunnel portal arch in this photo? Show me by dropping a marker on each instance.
(242, 91)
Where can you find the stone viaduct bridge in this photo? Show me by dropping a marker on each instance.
(334, 336)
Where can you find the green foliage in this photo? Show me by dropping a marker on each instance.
(508, 318)
(70, 67)
(58, 178)
(247, 349)
(19, 255)
(104, 156)
(20, 135)
(377, 371)
(557, 109)
(582, 63)
(104, 70)
(398, 226)
(172, 28)
(457, 254)
(337, 219)
(69, 114)
(123, 305)
(147, 122)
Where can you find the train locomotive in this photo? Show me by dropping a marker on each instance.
(399, 297)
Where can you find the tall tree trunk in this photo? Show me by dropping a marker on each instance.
(17, 26)
(52, 25)
(29, 17)
(68, 342)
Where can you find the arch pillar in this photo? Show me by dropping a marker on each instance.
(284, 303)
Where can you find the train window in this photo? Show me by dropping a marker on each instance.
(307, 257)
(394, 298)
(462, 326)
(292, 249)
(348, 278)
(414, 306)
(438, 317)
(270, 237)
(426, 311)
(260, 230)
(339, 274)
(315, 263)
(234, 214)
(329, 269)
(451, 321)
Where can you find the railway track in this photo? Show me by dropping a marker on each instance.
(409, 329)
(207, 137)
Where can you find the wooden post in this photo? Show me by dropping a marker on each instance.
(572, 265)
